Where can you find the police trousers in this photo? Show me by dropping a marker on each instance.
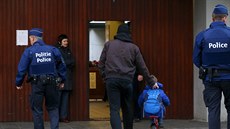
(120, 95)
(212, 95)
(49, 91)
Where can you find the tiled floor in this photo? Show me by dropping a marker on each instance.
(99, 110)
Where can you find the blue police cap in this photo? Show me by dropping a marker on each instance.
(36, 32)
(220, 9)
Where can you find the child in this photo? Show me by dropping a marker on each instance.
(153, 102)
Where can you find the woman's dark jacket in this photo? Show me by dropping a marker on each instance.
(70, 64)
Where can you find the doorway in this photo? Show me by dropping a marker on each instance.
(99, 33)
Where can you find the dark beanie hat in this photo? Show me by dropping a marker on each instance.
(220, 9)
(123, 28)
(61, 37)
(36, 32)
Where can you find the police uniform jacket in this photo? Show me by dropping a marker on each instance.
(41, 59)
(212, 49)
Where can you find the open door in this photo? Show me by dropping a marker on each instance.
(99, 33)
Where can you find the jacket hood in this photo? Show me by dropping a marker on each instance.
(123, 33)
(158, 83)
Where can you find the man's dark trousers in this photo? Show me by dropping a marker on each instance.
(120, 95)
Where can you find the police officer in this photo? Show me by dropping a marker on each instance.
(212, 56)
(46, 72)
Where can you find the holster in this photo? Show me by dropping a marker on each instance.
(58, 81)
(202, 73)
(32, 79)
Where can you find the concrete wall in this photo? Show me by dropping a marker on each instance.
(202, 19)
(200, 112)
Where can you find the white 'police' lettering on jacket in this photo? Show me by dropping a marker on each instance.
(43, 57)
(217, 45)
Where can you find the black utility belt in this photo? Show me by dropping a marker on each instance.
(221, 71)
(216, 72)
(43, 77)
(211, 72)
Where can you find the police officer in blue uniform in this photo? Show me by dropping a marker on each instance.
(212, 56)
(46, 72)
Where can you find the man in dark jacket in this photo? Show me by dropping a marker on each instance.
(118, 62)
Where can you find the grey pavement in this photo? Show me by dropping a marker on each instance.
(143, 124)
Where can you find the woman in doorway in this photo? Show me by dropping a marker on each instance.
(63, 46)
